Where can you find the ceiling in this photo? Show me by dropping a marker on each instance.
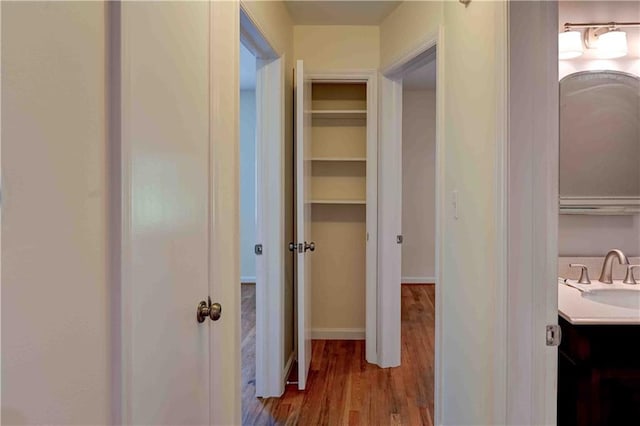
(423, 78)
(247, 69)
(336, 12)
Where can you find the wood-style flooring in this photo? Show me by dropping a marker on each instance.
(343, 389)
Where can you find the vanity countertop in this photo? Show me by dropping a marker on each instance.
(598, 308)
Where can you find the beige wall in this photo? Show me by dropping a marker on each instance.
(408, 25)
(418, 185)
(272, 18)
(595, 235)
(337, 47)
(472, 101)
(56, 323)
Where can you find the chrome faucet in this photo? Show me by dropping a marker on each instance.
(607, 266)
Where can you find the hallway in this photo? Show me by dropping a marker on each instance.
(343, 388)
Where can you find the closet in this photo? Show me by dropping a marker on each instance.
(336, 202)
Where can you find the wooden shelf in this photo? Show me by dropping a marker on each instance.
(318, 201)
(339, 113)
(345, 159)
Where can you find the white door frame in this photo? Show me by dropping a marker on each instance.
(224, 228)
(533, 212)
(371, 286)
(390, 209)
(270, 266)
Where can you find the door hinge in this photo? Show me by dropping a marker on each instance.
(554, 335)
(258, 249)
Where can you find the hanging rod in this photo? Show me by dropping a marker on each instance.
(569, 25)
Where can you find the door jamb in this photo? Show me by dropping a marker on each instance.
(270, 273)
(430, 48)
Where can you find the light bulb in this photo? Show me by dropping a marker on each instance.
(612, 44)
(569, 44)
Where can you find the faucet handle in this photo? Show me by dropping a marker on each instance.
(584, 273)
(629, 278)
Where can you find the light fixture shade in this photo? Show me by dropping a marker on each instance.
(569, 44)
(612, 44)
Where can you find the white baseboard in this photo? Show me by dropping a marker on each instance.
(248, 280)
(338, 333)
(418, 280)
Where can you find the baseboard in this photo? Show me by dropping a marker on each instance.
(287, 368)
(338, 333)
(418, 280)
(248, 280)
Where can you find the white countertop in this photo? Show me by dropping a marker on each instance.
(598, 307)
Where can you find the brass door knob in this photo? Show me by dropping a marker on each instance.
(208, 309)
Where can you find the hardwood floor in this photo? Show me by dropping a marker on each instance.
(343, 389)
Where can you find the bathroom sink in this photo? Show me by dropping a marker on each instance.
(618, 297)
(611, 306)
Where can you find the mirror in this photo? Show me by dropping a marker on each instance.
(600, 143)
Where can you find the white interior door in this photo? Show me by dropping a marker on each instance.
(165, 139)
(303, 220)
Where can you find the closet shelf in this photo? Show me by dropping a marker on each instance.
(339, 113)
(346, 159)
(337, 201)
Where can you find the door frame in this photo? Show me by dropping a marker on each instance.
(533, 212)
(390, 224)
(369, 77)
(270, 225)
(390, 273)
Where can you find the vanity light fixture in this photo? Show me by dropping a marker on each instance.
(606, 38)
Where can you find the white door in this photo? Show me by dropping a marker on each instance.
(303, 221)
(165, 140)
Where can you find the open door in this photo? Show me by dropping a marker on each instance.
(303, 221)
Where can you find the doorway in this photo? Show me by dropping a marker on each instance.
(418, 251)
(266, 274)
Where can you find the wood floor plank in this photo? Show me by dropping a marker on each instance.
(342, 388)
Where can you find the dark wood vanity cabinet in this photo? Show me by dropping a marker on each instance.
(599, 374)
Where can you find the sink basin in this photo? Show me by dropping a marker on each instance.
(621, 298)
(611, 306)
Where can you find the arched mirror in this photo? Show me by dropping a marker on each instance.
(600, 143)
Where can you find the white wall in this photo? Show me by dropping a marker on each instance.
(56, 321)
(247, 185)
(418, 185)
(595, 235)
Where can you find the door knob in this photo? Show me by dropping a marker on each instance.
(208, 309)
(309, 246)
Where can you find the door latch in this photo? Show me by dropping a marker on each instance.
(258, 249)
(399, 239)
(292, 246)
(554, 335)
